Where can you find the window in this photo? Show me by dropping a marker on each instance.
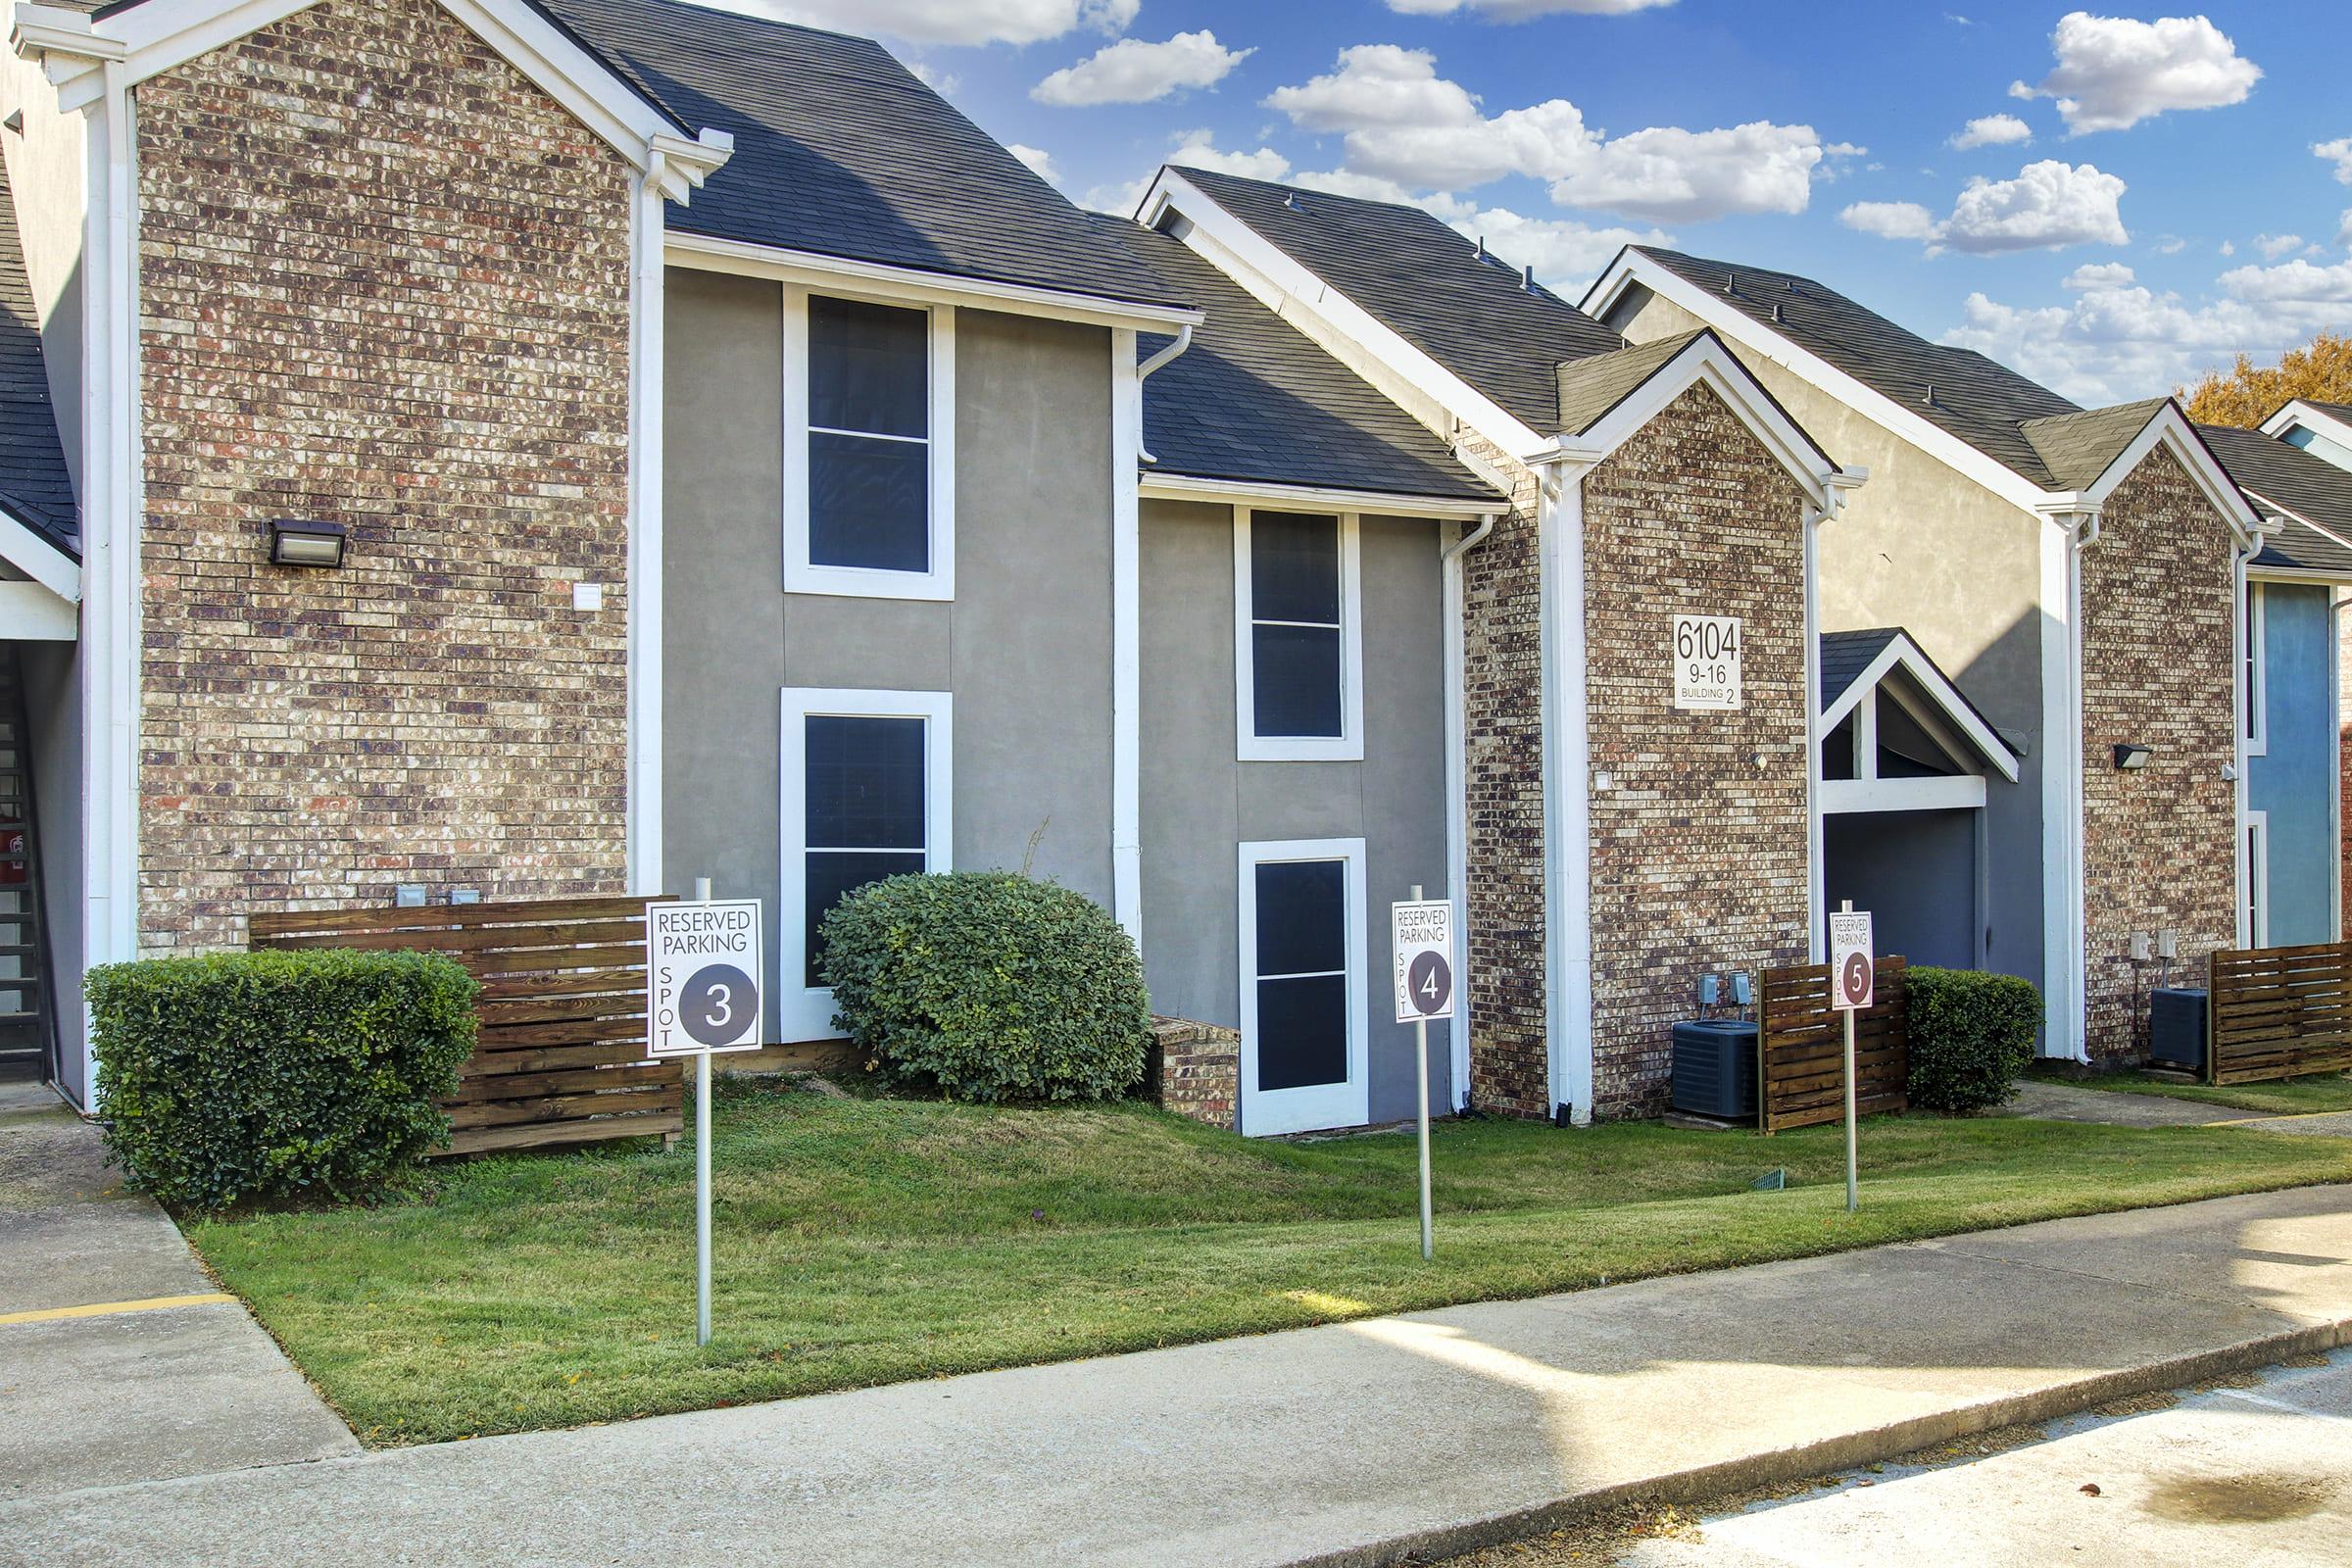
(2258, 879)
(1298, 637)
(867, 796)
(2256, 682)
(869, 459)
(1303, 1001)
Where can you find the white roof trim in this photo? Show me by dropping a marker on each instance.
(1708, 358)
(1630, 268)
(1904, 654)
(2170, 428)
(1313, 498)
(882, 281)
(31, 554)
(2301, 412)
(1170, 190)
(161, 35)
(2329, 534)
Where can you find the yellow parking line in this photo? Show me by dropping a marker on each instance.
(109, 1309)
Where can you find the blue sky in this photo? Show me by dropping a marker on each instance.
(2143, 193)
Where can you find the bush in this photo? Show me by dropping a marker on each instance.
(1971, 1035)
(244, 1075)
(988, 986)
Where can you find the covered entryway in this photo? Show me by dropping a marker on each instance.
(1905, 763)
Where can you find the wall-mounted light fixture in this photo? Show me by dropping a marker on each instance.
(2131, 759)
(301, 542)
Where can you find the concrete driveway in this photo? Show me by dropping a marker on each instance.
(120, 1360)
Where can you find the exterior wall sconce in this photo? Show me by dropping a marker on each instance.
(301, 541)
(2131, 759)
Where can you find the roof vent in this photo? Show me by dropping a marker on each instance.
(1777, 317)
(1731, 285)
(1291, 200)
(1792, 285)
(1929, 399)
(1527, 278)
(1481, 247)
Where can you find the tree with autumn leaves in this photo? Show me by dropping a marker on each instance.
(2248, 395)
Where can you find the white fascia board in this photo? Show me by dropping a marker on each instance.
(1314, 498)
(1960, 793)
(1294, 283)
(30, 613)
(840, 275)
(2299, 573)
(163, 34)
(1709, 360)
(1906, 655)
(1743, 329)
(2301, 412)
(2170, 428)
(37, 558)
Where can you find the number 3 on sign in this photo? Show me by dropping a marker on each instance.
(1706, 652)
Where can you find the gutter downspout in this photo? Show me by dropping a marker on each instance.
(1451, 573)
(1183, 341)
(1567, 763)
(1836, 487)
(2078, 522)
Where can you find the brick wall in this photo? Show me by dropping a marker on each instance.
(1502, 705)
(2158, 661)
(383, 281)
(1194, 1069)
(1699, 853)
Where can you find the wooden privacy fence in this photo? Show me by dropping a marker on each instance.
(561, 1058)
(2277, 1012)
(1800, 1048)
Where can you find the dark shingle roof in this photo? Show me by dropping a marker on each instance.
(2283, 479)
(1845, 655)
(840, 150)
(1976, 400)
(2078, 448)
(35, 483)
(1254, 399)
(1427, 284)
(1591, 387)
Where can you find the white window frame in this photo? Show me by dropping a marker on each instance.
(1349, 745)
(2257, 851)
(2255, 721)
(805, 1011)
(1268, 1113)
(800, 574)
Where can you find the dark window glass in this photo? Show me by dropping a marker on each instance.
(1301, 1032)
(1301, 917)
(865, 783)
(869, 368)
(833, 877)
(1293, 568)
(1295, 681)
(870, 503)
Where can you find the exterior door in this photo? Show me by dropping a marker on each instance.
(1303, 981)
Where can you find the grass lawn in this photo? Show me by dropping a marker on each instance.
(863, 1241)
(2276, 1097)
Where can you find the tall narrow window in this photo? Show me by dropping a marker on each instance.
(1299, 644)
(2254, 680)
(868, 413)
(866, 784)
(1303, 998)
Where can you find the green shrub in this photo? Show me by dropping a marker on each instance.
(988, 986)
(1971, 1035)
(244, 1075)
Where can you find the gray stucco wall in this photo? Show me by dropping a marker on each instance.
(1926, 548)
(1025, 647)
(53, 715)
(1915, 872)
(1200, 805)
(2293, 781)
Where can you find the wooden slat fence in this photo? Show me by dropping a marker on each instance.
(1801, 1047)
(560, 1055)
(2278, 1012)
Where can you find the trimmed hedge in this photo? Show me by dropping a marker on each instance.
(1971, 1036)
(988, 986)
(273, 1075)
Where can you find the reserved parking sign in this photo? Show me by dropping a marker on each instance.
(702, 964)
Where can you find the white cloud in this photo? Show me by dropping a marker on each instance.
(2171, 245)
(2273, 246)
(1040, 162)
(2047, 207)
(1564, 253)
(942, 82)
(1405, 122)
(1992, 130)
(971, 22)
(2343, 235)
(1194, 149)
(2099, 275)
(1133, 72)
(2113, 72)
(1524, 10)
(2228, 248)
(2340, 153)
(2112, 344)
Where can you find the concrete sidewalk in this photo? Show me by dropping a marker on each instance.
(135, 1391)
(1351, 1444)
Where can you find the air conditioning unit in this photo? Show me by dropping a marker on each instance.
(2176, 1027)
(1715, 1068)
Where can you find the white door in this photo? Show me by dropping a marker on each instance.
(1302, 977)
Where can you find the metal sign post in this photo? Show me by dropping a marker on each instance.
(1853, 984)
(700, 962)
(1421, 942)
